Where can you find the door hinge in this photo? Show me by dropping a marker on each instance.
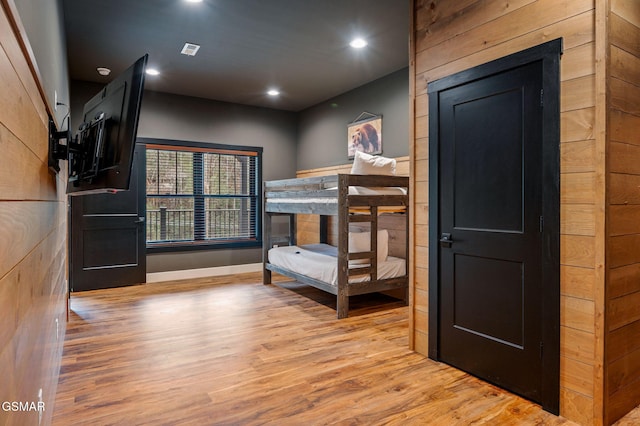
(541, 224)
(541, 97)
(541, 349)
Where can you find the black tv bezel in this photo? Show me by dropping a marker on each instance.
(90, 170)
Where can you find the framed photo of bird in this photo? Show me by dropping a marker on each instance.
(365, 134)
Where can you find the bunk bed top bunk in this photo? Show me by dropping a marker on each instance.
(326, 195)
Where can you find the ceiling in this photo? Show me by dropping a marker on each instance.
(300, 47)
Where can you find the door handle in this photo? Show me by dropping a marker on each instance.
(446, 240)
(140, 219)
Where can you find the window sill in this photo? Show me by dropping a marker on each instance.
(204, 245)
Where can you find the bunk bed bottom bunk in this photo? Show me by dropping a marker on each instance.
(316, 265)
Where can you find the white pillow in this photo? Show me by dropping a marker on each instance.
(361, 241)
(366, 164)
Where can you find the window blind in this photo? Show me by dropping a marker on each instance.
(199, 195)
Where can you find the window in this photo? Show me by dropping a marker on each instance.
(202, 195)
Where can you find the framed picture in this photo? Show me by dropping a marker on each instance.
(365, 135)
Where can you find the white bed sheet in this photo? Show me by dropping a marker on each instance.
(320, 262)
(353, 190)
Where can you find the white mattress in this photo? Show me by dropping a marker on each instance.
(353, 190)
(320, 261)
(382, 190)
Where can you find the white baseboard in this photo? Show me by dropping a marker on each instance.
(155, 277)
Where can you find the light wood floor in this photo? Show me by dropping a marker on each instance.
(231, 351)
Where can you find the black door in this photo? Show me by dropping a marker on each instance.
(108, 236)
(490, 221)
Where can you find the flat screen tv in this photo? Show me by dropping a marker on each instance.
(101, 155)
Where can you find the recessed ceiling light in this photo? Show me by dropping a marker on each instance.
(103, 71)
(190, 49)
(358, 43)
(152, 71)
(193, 1)
(273, 92)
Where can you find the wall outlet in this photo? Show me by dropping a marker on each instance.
(57, 330)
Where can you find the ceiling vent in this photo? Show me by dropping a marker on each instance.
(190, 49)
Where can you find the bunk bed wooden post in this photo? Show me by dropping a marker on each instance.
(266, 238)
(373, 215)
(342, 302)
(324, 229)
(292, 229)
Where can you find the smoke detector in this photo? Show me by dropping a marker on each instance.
(103, 71)
(190, 49)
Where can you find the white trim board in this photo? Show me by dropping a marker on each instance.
(155, 277)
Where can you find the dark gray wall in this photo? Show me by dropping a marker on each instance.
(322, 129)
(43, 23)
(165, 116)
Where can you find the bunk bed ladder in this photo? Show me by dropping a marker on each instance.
(344, 220)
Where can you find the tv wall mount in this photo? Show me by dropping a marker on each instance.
(75, 149)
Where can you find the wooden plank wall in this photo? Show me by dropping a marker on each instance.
(622, 355)
(451, 36)
(32, 239)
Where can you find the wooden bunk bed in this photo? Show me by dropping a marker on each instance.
(356, 201)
